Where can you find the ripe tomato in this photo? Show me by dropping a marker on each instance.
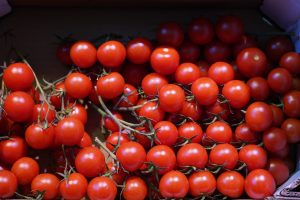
(169, 34)
(38, 137)
(291, 62)
(255, 157)
(274, 139)
(12, 149)
(278, 169)
(90, 162)
(8, 184)
(173, 184)
(19, 106)
(217, 51)
(166, 133)
(280, 80)
(205, 91)
(243, 133)
(18, 77)
(131, 155)
(221, 72)
(117, 174)
(283, 153)
(189, 52)
(163, 157)
(152, 83)
(171, 98)
(218, 109)
(201, 31)
(291, 126)
(77, 111)
(152, 111)
(192, 154)
(110, 124)
(187, 73)
(251, 62)
(165, 60)
(291, 102)
(139, 50)
(277, 46)
(237, 93)
(142, 139)
(63, 52)
(190, 130)
(219, 132)
(230, 29)
(102, 188)
(245, 42)
(259, 116)
(86, 140)
(42, 112)
(83, 54)
(25, 169)
(59, 94)
(278, 116)
(224, 155)
(135, 189)
(259, 184)
(112, 140)
(74, 187)
(111, 54)
(130, 95)
(202, 183)
(48, 183)
(110, 86)
(231, 184)
(259, 88)
(134, 74)
(191, 110)
(204, 67)
(78, 85)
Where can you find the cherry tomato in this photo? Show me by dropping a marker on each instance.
(111, 54)
(291, 102)
(48, 183)
(139, 50)
(217, 51)
(202, 183)
(218, 109)
(8, 184)
(78, 111)
(90, 161)
(38, 137)
(165, 60)
(259, 88)
(189, 52)
(171, 98)
(74, 187)
(152, 83)
(190, 131)
(280, 80)
(283, 153)
(86, 140)
(19, 106)
(42, 112)
(245, 42)
(291, 126)
(201, 31)
(255, 157)
(112, 140)
(224, 155)
(231, 184)
(166, 133)
(152, 111)
(205, 91)
(131, 155)
(110, 124)
(25, 169)
(278, 169)
(78, 85)
(134, 74)
(170, 34)
(191, 110)
(221, 72)
(110, 86)
(130, 95)
(18, 77)
(143, 139)
(219, 132)
(117, 174)
(245, 134)
(187, 73)
(274, 139)
(259, 184)
(204, 67)
(237, 93)
(102, 188)
(174, 184)
(291, 62)
(12, 149)
(59, 94)
(230, 29)
(63, 52)
(259, 116)
(277, 46)
(278, 116)
(83, 54)
(135, 189)
(192, 154)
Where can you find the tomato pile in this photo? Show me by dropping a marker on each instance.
(202, 113)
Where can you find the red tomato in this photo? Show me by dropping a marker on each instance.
(173, 184)
(166, 133)
(204, 67)
(25, 169)
(237, 93)
(12, 149)
(171, 98)
(202, 183)
(255, 157)
(90, 161)
(110, 86)
(135, 189)
(291, 126)
(86, 140)
(78, 85)
(278, 169)
(111, 54)
(218, 109)
(134, 74)
(231, 184)
(190, 131)
(245, 42)
(139, 50)
(117, 174)
(102, 188)
(191, 110)
(217, 51)
(230, 29)
(291, 62)
(42, 112)
(38, 137)
(189, 52)
(221, 72)
(283, 153)
(8, 184)
(19, 106)
(291, 102)
(83, 54)
(219, 132)
(277, 46)
(243, 133)
(130, 96)
(152, 83)
(224, 155)
(187, 73)
(112, 140)
(74, 187)
(205, 91)
(63, 53)
(59, 94)
(259, 88)
(47, 183)
(165, 60)
(192, 154)
(78, 111)
(280, 80)
(142, 139)
(201, 31)
(110, 124)
(18, 77)
(152, 111)
(169, 34)
(259, 184)
(278, 116)
(274, 139)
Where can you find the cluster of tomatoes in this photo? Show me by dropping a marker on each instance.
(201, 114)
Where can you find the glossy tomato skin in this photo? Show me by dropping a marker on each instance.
(291, 102)
(111, 85)
(259, 88)
(13, 149)
(166, 133)
(219, 132)
(277, 46)
(171, 98)
(19, 106)
(221, 72)
(291, 126)
(25, 169)
(189, 52)
(163, 157)
(187, 73)
(78, 85)
(245, 42)
(174, 184)
(112, 140)
(224, 155)
(134, 73)
(192, 154)
(164, 60)
(259, 116)
(8, 184)
(131, 155)
(231, 184)
(90, 162)
(280, 80)
(152, 83)
(152, 111)
(217, 51)
(63, 52)
(202, 182)
(251, 62)
(48, 183)
(170, 34)
(203, 66)
(135, 189)
(255, 157)
(219, 109)
(291, 62)
(79, 112)
(18, 77)
(118, 175)
(274, 139)
(110, 124)
(205, 91)
(191, 110)
(139, 50)
(237, 93)
(259, 184)
(83, 54)
(38, 137)
(102, 188)
(278, 116)
(111, 54)
(74, 187)
(243, 133)
(230, 29)
(86, 140)
(278, 169)
(42, 112)
(201, 31)
(190, 131)
(131, 96)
